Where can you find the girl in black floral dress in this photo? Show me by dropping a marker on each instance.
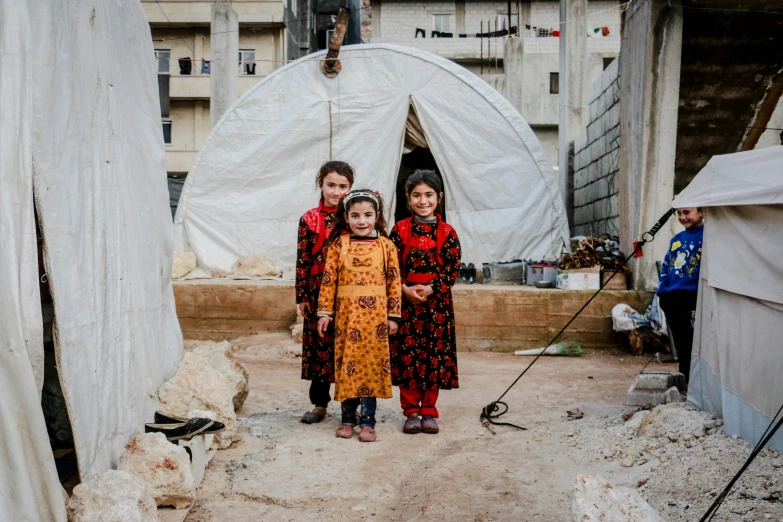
(334, 179)
(424, 352)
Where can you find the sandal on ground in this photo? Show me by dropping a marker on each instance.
(312, 417)
(412, 425)
(367, 434)
(429, 424)
(185, 430)
(345, 431)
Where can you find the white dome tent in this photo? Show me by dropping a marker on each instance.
(254, 175)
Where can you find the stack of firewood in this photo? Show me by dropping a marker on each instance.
(594, 252)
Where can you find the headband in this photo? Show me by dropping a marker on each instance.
(352, 195)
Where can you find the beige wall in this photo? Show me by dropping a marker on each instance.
(189, 128)
(189, 11)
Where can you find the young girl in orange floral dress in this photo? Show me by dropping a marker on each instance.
(360, 294)
(424, 353)
(334, 179)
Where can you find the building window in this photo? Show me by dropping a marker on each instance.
(441, 23)
(247, 62)
(329, 33)
(167, 132)
(608, 62)
(163, 57)
(503, 21)
(554, 83)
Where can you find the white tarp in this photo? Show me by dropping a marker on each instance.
(254, 176)
(81, 128)
(29, 488)
(737, 357)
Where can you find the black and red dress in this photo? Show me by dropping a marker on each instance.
(424, 351)
(317, 352)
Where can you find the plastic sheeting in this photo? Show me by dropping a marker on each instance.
(80, 123)
(29, 488)
(745, 178)
(737, 358)
(254, 176)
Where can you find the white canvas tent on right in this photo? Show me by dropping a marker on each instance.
(737, 356)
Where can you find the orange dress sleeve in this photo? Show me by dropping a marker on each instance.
(329, 281)
(393, 281)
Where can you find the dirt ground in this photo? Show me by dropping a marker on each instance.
(284, 470)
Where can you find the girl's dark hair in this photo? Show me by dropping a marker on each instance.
(429, 178)
(340, 167)
(341, 225)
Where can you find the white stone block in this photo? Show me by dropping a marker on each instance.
(595, 499)
(163, 467)
(113, 496)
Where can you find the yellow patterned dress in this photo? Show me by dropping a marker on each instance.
(361, 289)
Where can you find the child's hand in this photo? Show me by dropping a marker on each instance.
(412, 294)
(392, 327)
(303, 308)
(323, 324)
(425, 291)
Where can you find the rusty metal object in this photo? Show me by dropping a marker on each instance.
(331, 66)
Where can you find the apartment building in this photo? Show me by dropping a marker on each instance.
(452, 29)
(181, 37)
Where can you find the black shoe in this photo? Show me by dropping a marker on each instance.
(185, 430)
(168, 418)
(463, 272)
(471, 272)
(312, 417)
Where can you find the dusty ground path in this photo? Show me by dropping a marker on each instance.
(285, 470)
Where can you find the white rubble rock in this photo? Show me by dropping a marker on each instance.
(113, 496)
(254, 265)
(163, 467)
(669, 419)
(198, 386)
(288, 274)
(596, 499)
(672, 395)
(221, 357)
(183, 263)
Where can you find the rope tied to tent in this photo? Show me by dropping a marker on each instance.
(498, 408)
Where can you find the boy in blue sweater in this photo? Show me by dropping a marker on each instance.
(679, 283)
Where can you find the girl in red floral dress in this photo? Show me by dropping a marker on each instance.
(334, 179)
(424, 352)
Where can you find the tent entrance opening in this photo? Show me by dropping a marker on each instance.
(416, 155)
(53, 404)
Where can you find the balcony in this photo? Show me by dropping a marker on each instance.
(180, 160)
(197, 87)
(200, 13)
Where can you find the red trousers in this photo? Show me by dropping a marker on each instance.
(419, 402)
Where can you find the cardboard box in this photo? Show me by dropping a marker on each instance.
(618, 282)
(579, 279)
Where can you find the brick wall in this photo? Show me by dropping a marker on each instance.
(596, 160)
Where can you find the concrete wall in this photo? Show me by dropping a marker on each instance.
(488, 317)
(650, 86)
(596, 160)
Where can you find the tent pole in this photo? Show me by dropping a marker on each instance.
(481, 37)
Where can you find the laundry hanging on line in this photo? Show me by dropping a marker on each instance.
(540, 32)
(185, 66)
